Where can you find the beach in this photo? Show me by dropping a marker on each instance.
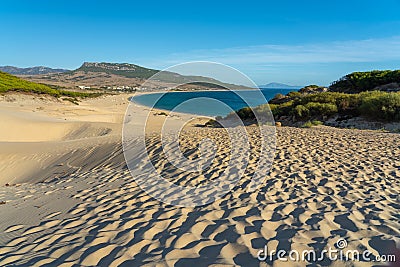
(69, 199)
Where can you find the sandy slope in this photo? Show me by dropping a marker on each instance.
(35, 131)
(325, 184)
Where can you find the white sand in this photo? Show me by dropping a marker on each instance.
(325, 183)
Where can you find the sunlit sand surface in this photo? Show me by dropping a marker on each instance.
(71, 200)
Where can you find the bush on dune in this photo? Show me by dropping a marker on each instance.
(351, 96)
(381, 105)
(310, 124)
(321, 109)
(280, 109)
(246, 113)
(314, 109)
(372, 105)
(301, 111)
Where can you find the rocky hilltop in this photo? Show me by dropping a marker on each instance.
(110, 66)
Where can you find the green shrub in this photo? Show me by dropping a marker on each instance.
(348, 103)
(317, 122)
(279, 96)
(301, 111)
(324, 97)
(78, 94)
(310, 124)
(213, 123)
(246, 113)
(370, 104)
(321, 109)
(314, 109)
(380, 105)
(279, 109)
(294, 94)
(307, 124)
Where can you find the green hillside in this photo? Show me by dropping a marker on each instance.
(9, 83)
(357, 82)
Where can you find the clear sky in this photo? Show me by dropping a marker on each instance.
(294, 42)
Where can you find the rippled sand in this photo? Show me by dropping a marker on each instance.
(325, 184)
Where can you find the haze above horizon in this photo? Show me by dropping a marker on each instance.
(288, 42)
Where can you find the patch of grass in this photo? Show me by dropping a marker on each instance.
(310, 124)
(72, 100)
(317, 122)
(307, 124)
(79, 94)
(213, 124)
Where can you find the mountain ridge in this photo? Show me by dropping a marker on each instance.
(107, 75)
(37, 70)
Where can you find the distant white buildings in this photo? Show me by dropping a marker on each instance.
(124, 88)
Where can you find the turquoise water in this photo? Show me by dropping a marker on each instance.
(208, 103)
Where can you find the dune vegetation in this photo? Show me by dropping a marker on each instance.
(372, 104)
(349, 97)
(10, 82)
(376, 105)
(365, 81)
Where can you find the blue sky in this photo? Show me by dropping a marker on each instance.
(294, 42)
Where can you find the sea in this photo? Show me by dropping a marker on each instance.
(208, 103)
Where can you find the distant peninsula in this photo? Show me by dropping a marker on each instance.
(279, 86)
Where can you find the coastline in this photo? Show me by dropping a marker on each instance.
(236, 99)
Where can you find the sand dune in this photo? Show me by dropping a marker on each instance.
(325, 184)
(39, 133)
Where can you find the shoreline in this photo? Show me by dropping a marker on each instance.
(196, 91)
